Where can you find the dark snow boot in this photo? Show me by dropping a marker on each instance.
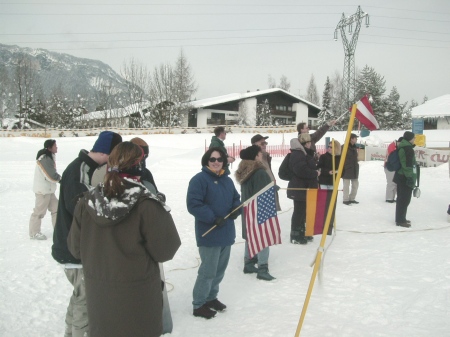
(263, 273)
(249, 265)
(297, 238)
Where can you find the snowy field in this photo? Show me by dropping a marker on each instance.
(378, 279)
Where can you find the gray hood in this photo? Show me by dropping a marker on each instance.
(295, 145)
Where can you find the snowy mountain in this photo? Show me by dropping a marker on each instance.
(74, 76)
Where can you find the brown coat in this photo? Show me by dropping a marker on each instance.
(120, 245)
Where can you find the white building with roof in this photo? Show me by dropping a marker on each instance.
(435, 113)
(285, 107)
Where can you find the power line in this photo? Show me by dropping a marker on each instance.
(204, 14)
(171, 31)
(215, 5)
(221, 38)
(210, 30)
(237, 44)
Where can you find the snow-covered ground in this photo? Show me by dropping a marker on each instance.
(378, 279)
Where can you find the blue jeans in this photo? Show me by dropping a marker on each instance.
(210, 273)
(263, 255)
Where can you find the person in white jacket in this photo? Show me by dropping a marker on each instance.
(44, 187)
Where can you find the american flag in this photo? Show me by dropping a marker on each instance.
(263, 229)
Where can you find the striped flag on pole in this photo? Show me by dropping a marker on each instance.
(263, 229)
(317, 203)
(365, 115)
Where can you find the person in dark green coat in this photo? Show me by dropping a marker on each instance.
(405, 178)
(252, 176)
(217, 141)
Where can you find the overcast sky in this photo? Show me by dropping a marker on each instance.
(233, 45)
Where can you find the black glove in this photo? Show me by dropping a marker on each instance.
(276, 188)
(219, 222)
(235, 214)
(161, 197)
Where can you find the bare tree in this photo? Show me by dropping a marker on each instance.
(285, 84)
(271, 82)
(135, 99)
(24, 79)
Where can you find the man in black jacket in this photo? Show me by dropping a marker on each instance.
(76, 179)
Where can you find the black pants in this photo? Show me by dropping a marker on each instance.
(404, 194)
(299, 218)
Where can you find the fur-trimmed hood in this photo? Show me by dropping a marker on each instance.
(246, 169)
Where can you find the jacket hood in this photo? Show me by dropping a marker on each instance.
(295, 145)
(246, 169)
(109, 212)
(404, 143)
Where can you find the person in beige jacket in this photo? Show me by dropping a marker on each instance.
(44, 187)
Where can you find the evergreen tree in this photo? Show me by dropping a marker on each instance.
(326, 114)
(311, 92)
(185, 85)
(394, 111)
(407, 119)
(339, 101)
(370, 83)
(263, 115)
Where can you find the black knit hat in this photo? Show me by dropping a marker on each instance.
(408, 135)
(250, 152)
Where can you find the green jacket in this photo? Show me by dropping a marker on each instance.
(217, 142)
(407, 174)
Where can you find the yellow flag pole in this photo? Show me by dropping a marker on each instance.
(327, 223)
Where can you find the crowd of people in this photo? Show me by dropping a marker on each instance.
(113, 229)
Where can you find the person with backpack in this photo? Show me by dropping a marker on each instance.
(405, 178)
(304, 167)
(391, 187)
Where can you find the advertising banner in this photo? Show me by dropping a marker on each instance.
(424, 157)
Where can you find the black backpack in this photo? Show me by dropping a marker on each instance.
(284, 172)
(393, 162)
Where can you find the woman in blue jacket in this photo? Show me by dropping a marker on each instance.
(211, 196)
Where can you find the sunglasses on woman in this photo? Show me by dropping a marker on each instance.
(213, 160)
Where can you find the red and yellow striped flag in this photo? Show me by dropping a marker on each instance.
(317, 203)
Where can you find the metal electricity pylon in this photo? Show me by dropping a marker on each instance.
(349, 48)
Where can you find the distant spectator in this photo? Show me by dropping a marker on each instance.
(316, 136)
(405, 178)
(218, 141)
(325, 165)
(391, 187)
(351, 172)
(44, 187)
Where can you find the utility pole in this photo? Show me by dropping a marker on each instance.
(349, 76)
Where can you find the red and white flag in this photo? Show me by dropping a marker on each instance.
(263, 229)
(365, 114)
